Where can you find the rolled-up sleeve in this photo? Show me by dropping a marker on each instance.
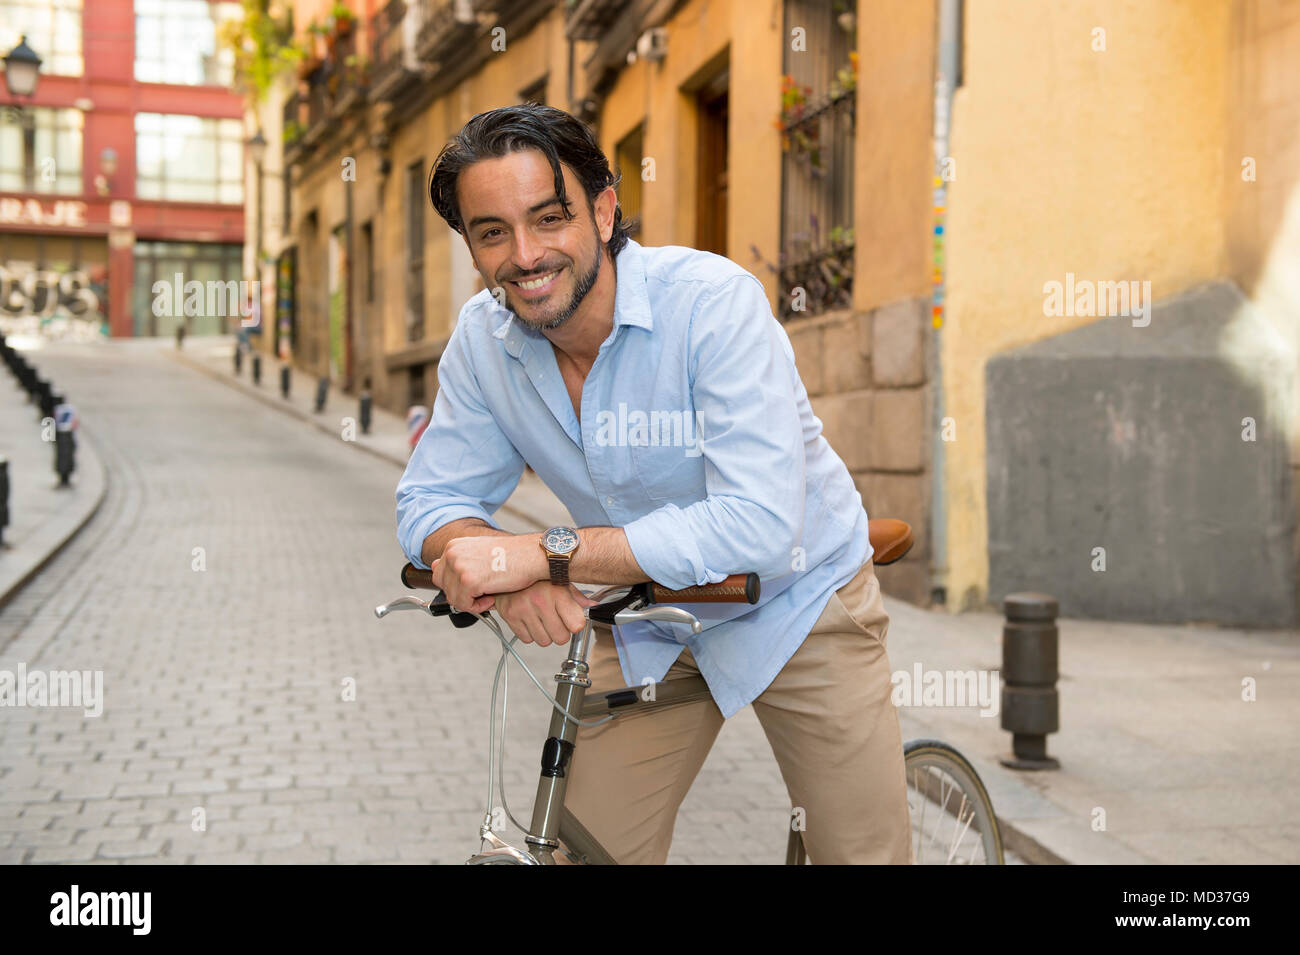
(463, 465)
(743, 389)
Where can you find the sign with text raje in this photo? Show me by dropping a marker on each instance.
(66, 213)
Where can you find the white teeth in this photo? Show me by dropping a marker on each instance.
(538, 283)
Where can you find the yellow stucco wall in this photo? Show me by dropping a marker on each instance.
(1105, 164)
(705, 36)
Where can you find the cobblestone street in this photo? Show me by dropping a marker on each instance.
(223, 685)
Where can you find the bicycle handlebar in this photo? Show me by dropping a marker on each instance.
(738, 588)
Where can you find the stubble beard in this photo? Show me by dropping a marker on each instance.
(585, 284)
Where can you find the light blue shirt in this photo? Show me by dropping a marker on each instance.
(697, 438)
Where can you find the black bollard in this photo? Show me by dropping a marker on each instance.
(180, 334)
(284, 381)
(365, 412)
(65, 455)
(257, 369)
(1030, 701)
(239, 358)
(4, 496)
(47, 400)
(322, 389)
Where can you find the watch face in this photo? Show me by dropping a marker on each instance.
(560, 540)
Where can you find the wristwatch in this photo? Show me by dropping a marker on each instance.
(559, 544)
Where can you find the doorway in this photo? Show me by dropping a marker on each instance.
(711, 189)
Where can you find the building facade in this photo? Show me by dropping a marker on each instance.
(907, 180)
(123, 169)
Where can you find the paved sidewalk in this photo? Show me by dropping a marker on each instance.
(1155, 734)
(42, 516)
(1162, 761)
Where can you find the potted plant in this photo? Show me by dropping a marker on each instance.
(344, 20)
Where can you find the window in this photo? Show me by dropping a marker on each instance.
(817, 161)
(416, 201)
(627, 159)
(535, 93)
(178, 41)
(189, 158)
(46, 158)
(53, 29)
(368, 261)
(194, 261)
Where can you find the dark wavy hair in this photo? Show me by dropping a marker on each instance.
(561, 138)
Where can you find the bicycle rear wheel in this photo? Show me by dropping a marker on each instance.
(953, 822)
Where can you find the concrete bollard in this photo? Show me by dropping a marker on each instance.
(1030, 701)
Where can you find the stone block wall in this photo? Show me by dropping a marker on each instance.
(866, 377)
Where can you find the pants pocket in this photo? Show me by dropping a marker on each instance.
(862, 603)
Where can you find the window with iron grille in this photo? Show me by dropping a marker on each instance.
(817, 124)
(415, 205)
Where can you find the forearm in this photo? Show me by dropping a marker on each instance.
(436, 542)
(604, 557)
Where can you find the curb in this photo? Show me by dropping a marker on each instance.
(181, 358)
(86, 455)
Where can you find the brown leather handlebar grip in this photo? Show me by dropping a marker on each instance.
(736, 589)
(413, 577)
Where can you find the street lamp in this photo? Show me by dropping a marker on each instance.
(257, 147)
(21, 68)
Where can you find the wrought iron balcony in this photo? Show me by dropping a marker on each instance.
(446, 27)
(589, 19)
(389, 73)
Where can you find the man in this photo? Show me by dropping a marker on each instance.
(654, 392)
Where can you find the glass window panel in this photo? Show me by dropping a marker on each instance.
(231, 192)
(53, 30)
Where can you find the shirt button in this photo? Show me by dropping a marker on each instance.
(609, 501)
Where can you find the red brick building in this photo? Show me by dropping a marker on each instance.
(124, 167)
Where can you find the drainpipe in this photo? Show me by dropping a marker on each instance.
(947, 78)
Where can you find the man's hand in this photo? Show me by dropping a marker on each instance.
(544, 613)
(472, 569)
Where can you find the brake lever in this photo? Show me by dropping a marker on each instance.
(439, 607)
(662, 613)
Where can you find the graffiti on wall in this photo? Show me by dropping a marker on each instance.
(53, 303)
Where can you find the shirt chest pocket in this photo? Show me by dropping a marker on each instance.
(670, 474)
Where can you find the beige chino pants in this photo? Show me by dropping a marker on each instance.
(829, 719)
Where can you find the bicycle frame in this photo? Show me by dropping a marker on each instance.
(552, 823)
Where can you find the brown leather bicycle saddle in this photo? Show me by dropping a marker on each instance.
(890, 539)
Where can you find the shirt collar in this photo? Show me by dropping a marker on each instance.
(631, 303)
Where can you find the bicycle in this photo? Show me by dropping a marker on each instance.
(937, 774)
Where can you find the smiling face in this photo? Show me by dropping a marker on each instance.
(521, 241)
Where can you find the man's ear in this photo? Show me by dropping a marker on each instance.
(605, 205)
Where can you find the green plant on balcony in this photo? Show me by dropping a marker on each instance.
(262, 45)
(342, 20)
(823, 270)
(796, 137)
(292, 132)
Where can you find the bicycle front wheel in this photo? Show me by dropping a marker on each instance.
(952, 816)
